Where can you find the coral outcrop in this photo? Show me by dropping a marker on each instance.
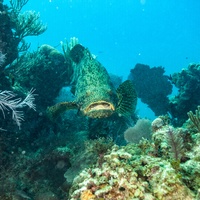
(37, 70)
(152, 87)
(188, 97)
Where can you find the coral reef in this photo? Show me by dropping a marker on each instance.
(77, 157)
(92, 152)
(37, 70)
(126, 174)
(163, 168)
(188, 97)
(191, 168)
(148, 82)
(168, 143)
(152, 86)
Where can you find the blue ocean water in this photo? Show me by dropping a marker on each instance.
(122, 33)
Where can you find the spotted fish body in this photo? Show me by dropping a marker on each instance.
(94, 92)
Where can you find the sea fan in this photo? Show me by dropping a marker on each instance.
(175, 141)
(142, 129)
(195, 118)
(8, 101)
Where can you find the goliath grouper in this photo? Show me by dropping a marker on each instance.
(95, 95)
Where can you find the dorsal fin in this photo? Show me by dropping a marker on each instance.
(127, 98)
(54, 111)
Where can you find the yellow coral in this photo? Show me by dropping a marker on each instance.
(87, 195)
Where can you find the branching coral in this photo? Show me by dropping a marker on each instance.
(15, 26)
(17, 5)
(28, 24)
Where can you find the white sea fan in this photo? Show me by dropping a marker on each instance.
(8, 101)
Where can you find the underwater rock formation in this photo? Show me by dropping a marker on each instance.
(45, 70)
(152, 87)
(188, 97)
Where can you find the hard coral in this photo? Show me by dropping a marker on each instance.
(114, 180)
(87, 195)
(157, 124)
(191, 168)
(125, 174)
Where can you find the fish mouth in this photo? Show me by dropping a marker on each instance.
(99, 109)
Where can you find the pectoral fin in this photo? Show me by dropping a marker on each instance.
(54, 111)
(127, 98)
